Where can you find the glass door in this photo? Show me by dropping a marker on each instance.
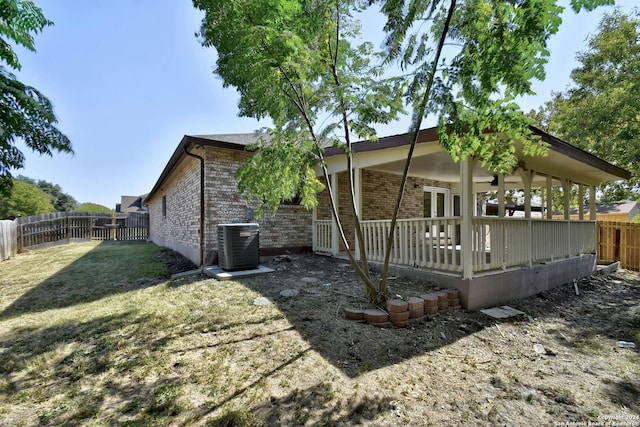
(436, 204)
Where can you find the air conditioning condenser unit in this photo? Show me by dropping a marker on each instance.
(238, 246)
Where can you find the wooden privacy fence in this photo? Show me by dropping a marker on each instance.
(8, 239)
(64, 227)
(619, 241)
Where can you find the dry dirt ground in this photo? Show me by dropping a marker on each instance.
(466, 368)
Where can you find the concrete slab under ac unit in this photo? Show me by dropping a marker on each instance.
(216, 272)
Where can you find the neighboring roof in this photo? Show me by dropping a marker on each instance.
(492, 208)
(610, 208)
(515, 206)
(234, 141)
(131, 203)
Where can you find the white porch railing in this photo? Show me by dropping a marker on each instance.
(508, 242)
(497, 243)
(423, 242)
(322, 236)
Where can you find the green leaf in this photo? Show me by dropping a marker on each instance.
(24, 112)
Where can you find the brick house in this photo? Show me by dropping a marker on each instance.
(440, 236)
(178, 219)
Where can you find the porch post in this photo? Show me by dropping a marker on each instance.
(357, 183)
(467, 207)
(592, 203)
(527, 178)
(549, 197)
(335, 242)
(566, 190)
(501, 196)
(580, 202)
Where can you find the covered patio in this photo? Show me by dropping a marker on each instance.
(442, 235)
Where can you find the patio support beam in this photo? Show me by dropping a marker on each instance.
(501, 196)
(370, 158)
(566, 190)
(549, 201)
(592, 203)
(335, 233)
(467, 207)
(580, 202)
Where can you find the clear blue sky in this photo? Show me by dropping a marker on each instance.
(128, 79)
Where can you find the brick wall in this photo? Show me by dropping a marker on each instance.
(379, 192)
(179, 229)
(290, 228)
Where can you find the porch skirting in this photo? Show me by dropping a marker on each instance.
(498, 288)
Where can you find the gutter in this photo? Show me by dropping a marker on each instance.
(202, 263)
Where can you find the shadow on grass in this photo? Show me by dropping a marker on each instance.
(38, 365)
(625, 393)
(236, 341)
(110, 268)
(311, 406)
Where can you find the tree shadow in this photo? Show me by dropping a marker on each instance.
(39, 364)
(355, 347)
(310, 406)
(624, 393)
(606, 307)
(108, 269)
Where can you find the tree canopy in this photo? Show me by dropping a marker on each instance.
(600, 112)
(25, 113)
(24, 199)
(62, 202)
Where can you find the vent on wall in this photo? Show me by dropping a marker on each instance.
(238, 246)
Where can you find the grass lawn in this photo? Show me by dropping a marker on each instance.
(96, 334)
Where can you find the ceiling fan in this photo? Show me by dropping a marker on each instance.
(494, 181)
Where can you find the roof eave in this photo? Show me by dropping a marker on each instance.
(425, 135)
(431, 134)
(175, 158)
(574, 152)
(187, 142)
